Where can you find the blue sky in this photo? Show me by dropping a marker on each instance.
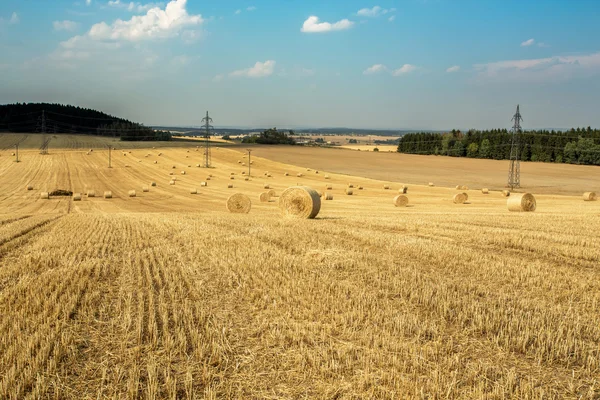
(394, 64)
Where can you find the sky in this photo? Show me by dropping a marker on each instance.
(379, 64)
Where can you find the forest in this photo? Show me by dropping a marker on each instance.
(574, 146)
(59, 118)
(271, 136)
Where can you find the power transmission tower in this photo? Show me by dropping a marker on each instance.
(41, 127)
(109, 156)
(249, 162)
(514, 170)
(207, 126)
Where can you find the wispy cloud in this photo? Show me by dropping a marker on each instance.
(133, 6)
(88, 2)
(405, 69)
(65, 25)
(375, 69)
(454, 68)
(259, 70)
(238, 11)
(528, 42)
(541, 69)
(14, 19)
(374, 12)
(312, 25)
(392, 18)
(251, 8)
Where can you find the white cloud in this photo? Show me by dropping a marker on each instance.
(14, 19)
(65, 25)
(392, 18)
(454, 68)
(405, 69)
(541, 69)
(373, 12)
(238, 11)
(312, 25)
(191, 36)
(259, 70)
(251, 8)
(528, 42)
(374, 69)
(218, 78)
(156, 23)
(88, 2)
(133, 6)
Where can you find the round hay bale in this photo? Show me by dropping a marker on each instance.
(328, 196)
(506, 193)
(589, 196)
(431, 184)
(351, 186)
(171, 182)
(349, 192)
(299, 175)
(145, 189)
(239, 204)
(124, 154)
(203, 184)
(403, 190)
(251, 162)
(460, 198)
(308, 169)
(485, 191)
(386, 187)
(160, 154)
(232, 177)
(29, 187)
(300, 202)
(272, 193)
(153, 184)
(521, 202)
(170, 173)
(239, 161)
(243, 172)
(91, 193)
(91, 150)
(88, 153)
(230, 186)
(458, 187)
(329, 187)
(44, 195)
(246, 179)
(316, 172)
(360, 188)
(108, 194)
(193, 191)
(126, 165)
(174, 178)
(400, 201)
(327, 177)
(286, 174)
(264, 197)
(266, 186)
(210, 175)
(131, 193)
(464, 188)
(243, 164)
(155, 162)
(208, 178)
(76, 196)
(198, 165)
(269, 176)
(232, 173)
(182, 172)
(174, 167)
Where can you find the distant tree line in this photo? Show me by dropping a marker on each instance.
(59, 118)
(575, 146)
(271, 136)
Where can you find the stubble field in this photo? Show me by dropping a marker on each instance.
(166, 295)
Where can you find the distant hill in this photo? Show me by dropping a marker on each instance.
(59, 118)
(197, 131)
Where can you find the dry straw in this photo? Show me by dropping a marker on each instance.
(485, 191)
(44, 195)
(521, 202)
(145, 189)
(265, 197)
(29, 187)
(400, 201)
(132, 193)
(91, 193)
(193, 191)
(589, 196)
(239, 204)
(108, 194)
(300, 202)
(460, 198)
(76, 196)
(506, 193)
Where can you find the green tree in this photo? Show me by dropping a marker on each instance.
(472, 150)
(484, 149)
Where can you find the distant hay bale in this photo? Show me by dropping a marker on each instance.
(458, 187)
(171, 182)
(349, 192)
(308, 169)
(125, 154)
(328, 196)
(108, 194)
(76, 196)
(187, 151)
(160, 154)
(521, 202)
(174, 178)
(403, 190)
(126, 165)
(155, 162)
(589, 196)
(246, 179)
(145, 189)
(203, 184)
(506, 193)
(243, 172)
(485, 191)
(210, 175)
(12, 154)
(88, 153)
(460, 198)
(266, 186)
(431, 184)
(152, 184)
(208, 178)
(269, 175)
(91, 150)
(351, 186)
(232, 173)
(272, 193)
(299, 175)
(251, 162)
(239, 204)
(316, 172)
(170, 173)
(131, 193)
(198, 165)
(386, 187)
(193, 191)
(286, 174)
(232, 177)
(264, 197)
(29, 187)
(400, 201)
(465, 187)
(243, 164)
(174, 167)
(300, 202)
(327, 177)
(44, 195)
(329, 187)
(360, 188)
(239, 161)
(91, 193)
(230, 186)
(182, 172)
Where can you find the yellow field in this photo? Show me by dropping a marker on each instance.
(166, 295)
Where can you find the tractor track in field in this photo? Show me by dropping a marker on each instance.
(24, 236)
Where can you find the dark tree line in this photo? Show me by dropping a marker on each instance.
(59, 118)
(575, 146)
(271, 136)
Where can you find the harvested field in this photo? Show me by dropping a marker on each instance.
(169, 295)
